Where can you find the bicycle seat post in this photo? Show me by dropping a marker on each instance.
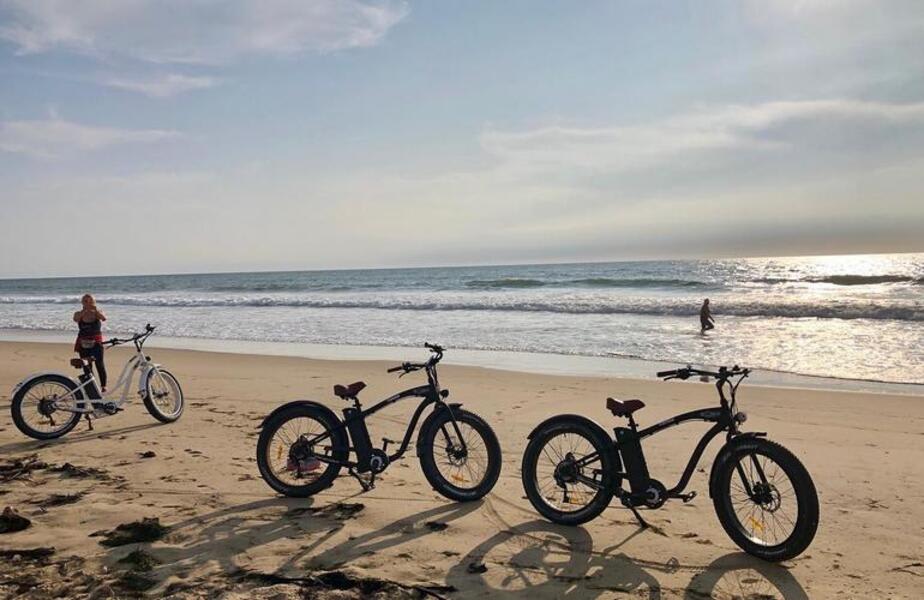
(632, 424)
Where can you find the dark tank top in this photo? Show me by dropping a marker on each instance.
(91, 329)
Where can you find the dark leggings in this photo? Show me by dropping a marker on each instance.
(96, 353)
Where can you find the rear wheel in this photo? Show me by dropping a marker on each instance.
(765, 499)
(287, 461)
(460, 472)
(163, 396)
(568, 471)
(41, 408)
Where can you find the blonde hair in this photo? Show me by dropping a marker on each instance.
(86, 296)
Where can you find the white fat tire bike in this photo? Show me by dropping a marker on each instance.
(51, 394)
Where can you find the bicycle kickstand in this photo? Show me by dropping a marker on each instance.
(642, 522)
(366, 485)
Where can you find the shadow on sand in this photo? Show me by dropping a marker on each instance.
(540, 559)
(223, 536)
(30, 445)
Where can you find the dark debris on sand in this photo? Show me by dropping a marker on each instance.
(139, 560)
(135, 581)
(11, 521)
(476, 568)
(145, 530)
(20, 468)
(357, 587)
(147, 454)
(436, 525)
(31, 554)
(59, 500)
(339, 511)
(70, 470)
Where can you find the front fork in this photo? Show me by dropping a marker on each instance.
(460, 450)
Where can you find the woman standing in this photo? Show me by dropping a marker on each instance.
(89, 343)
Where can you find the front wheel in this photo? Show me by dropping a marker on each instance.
(163, 396)
(464, 464)
(44, 407)
(765, 499)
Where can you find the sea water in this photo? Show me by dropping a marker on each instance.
(852, 317)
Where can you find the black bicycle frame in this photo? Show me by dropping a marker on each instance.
(431, 395)
(723, 418)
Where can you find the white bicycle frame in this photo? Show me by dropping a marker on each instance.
(84, 405)
(122, 385)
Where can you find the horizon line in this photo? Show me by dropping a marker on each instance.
(452, 266)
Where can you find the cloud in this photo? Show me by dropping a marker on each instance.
(195, 32)
(699, 176)
(768, 128)
(55, 137)
(163, 85)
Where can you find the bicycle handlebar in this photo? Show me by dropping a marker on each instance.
(688, 371)
(148, 330)
(407, 367)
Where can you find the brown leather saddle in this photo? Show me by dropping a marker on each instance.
(623, 408)
(349, 391)
(80, 363)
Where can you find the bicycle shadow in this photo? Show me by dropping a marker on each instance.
(98, 433)
(539, 559)
(225, 535)
(403, 531)
(740, 575)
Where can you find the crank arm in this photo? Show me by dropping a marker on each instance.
(684, 497)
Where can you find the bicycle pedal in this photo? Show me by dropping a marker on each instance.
(687, 497)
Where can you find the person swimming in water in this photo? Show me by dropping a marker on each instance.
(705, 317)
(89, 344)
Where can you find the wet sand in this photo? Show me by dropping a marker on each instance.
(228, 535)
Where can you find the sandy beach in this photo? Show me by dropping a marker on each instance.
(228, 535)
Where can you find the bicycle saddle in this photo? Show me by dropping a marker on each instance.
(623, 408)
(349, 391)
(80, 363)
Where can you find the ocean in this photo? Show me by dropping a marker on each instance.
(849, 317)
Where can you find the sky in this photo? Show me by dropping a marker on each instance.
(197, 135)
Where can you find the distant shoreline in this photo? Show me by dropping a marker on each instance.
(521, 362)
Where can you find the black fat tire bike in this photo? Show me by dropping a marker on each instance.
(303, 445)
(762, 494)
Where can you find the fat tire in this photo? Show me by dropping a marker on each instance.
(601, 443)
(149, 403)
(428, 461)
(806, 498)
(19, 396)
(341, 450)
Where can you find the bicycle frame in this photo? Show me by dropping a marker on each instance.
(726, 418)
(431, 394)
(121, 387)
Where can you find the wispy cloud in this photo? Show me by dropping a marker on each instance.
(182, 31)
(55, 137)
(162, 85)
(685, 138)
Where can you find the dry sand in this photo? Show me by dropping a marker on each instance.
(231, 536)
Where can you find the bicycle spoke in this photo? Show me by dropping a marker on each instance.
(763, 501)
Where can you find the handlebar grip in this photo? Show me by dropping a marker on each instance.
(395, 369)
(667, 373)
